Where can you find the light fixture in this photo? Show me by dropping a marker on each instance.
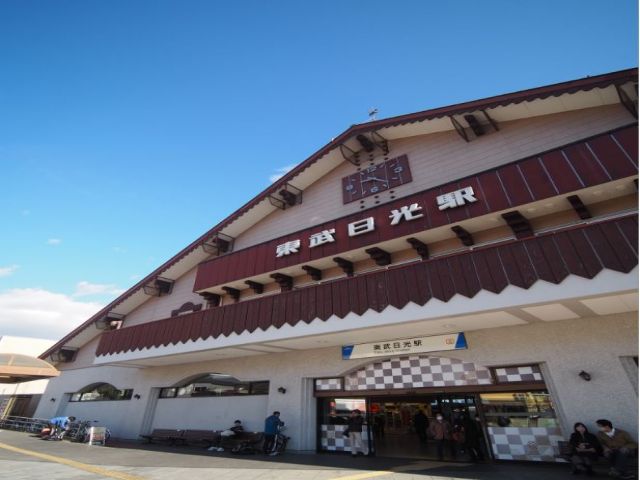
(52, 399)
(282, 390)
(585, 376)
(136, 396)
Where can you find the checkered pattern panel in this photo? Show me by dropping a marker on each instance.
(417, 372)
(331, 438)
(525, 373)
(328, 384)
(537, 444)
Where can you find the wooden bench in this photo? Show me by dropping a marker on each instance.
(208, 437)
(170, 435)
(564, 449)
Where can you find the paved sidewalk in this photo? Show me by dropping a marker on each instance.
(23, 456)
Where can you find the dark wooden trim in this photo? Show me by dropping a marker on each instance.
(463, 235)
(518, 223)
(580, 208)
(232, 292)
(314, 273)
(345, 265)
(255, 286)
(420, 247)
(380, 256)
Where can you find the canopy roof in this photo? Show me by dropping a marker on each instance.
(15, 368)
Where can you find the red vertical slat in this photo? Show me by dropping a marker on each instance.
(279, 311)
(253, 311)
(464, 275)
(340, 304)
(629, 228)
(325, 308)
(515, 185)
(586, 165)
(574, 250)
(493, 192)
(359, 296)
(267, 317)
(218, 322)
(376, 301)
(563, 176)
(347, 294)
(546, 259)
(490, 272)
(423, 292)
(612, 157)
(609, 246)
(479, 207)
(454, 214)
(436, 216)
(628, 140)
(539, 183)
(398, 293)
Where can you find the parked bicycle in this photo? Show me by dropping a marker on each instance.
(81, 431)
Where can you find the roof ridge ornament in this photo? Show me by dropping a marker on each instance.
(368, 143)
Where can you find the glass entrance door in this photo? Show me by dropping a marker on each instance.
(400, 426)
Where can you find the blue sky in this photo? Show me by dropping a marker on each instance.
(128, 128)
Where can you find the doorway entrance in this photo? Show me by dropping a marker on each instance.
(400, 425)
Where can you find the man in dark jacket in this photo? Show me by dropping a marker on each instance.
(440, 431)
(421, 423)
(271, 426)
(355, 433)
(617, 446)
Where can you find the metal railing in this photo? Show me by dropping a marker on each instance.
(23, 424)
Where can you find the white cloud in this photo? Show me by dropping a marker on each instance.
(280, 172)
(25, 212)
(84, 289)
(34, 312)
(8, 270)
(119, 249)
(135, 277)
(54, 241)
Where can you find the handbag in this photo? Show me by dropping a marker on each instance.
(345, 433)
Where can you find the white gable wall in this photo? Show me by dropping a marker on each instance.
(437, 159)
(157, 308)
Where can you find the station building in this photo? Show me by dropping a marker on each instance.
(479, 257)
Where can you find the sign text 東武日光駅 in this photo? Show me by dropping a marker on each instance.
(406, 213)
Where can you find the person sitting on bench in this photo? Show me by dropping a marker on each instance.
(237, 429)
(618, 447)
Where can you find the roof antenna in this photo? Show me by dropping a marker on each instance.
(373, 112)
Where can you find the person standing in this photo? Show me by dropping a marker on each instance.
(473, 438)
(618, 447)
(440, 430)
(271, 426)
(355, 433)
(586, 449)
(421, 423)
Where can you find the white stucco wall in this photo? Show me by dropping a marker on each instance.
(211, 413)
(564, 348)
